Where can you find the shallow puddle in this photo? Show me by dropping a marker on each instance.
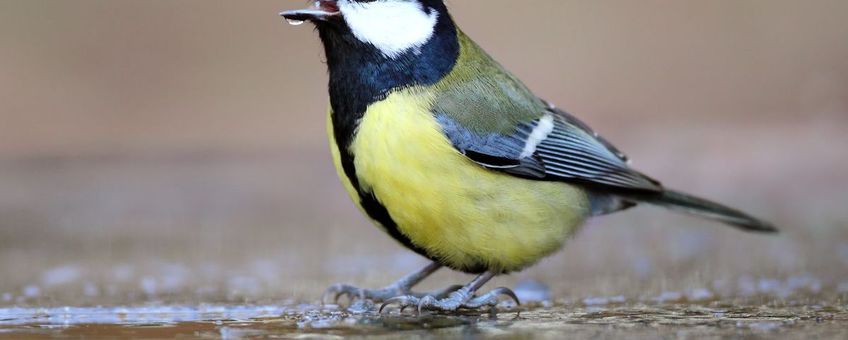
(308, 321)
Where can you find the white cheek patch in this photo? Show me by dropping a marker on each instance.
(393, 26)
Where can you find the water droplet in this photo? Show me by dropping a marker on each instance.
(295, 22)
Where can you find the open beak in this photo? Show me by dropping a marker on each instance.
(320, 10)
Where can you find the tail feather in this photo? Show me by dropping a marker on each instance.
(700, 207)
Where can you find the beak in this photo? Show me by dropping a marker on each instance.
(320, 10)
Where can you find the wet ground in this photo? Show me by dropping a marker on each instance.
(715, 320)
(799, 307)
(218, 245)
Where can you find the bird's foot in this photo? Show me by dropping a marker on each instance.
(401, 287)
(336, 291)
(462, 298)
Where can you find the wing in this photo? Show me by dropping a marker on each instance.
(557, 146)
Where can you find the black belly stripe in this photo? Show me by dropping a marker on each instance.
(378, 212)
(372, 206)
(360, 74)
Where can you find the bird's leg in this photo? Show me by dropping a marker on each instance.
(462, 298)
(400, 287)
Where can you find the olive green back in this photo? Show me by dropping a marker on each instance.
(483, 96)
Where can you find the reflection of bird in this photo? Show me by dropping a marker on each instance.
(455, 158)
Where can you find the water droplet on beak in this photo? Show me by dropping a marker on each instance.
(294, 22)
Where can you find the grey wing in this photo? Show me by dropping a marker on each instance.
(556, 147)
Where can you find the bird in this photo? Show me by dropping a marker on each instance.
(456, 159)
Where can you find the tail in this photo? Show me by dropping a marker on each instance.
(703, 208)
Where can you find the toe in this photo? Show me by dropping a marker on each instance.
(402, 301)
(426, 302)
(491, 298)
(338, 290)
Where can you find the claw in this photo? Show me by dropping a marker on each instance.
(508, 293)
(458, 299)
(491, 298)
(451, 299)
(338, 290)
(403, 301)
(383, 306)
(330, 291)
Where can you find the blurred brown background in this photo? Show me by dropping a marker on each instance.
(175, 151)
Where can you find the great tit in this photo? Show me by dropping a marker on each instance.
(456, 159)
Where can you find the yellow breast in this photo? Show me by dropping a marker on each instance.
(464, 215)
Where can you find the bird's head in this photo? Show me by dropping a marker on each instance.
(393, 27)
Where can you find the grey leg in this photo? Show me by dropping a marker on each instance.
(462, 298)
(401, 287)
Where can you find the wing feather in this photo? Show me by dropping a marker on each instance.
(571, 152)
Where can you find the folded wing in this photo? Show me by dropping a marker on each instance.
(556, 146)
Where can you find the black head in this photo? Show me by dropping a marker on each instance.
(376, 46)
(393, 27)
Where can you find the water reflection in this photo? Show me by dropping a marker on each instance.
(234, 321)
